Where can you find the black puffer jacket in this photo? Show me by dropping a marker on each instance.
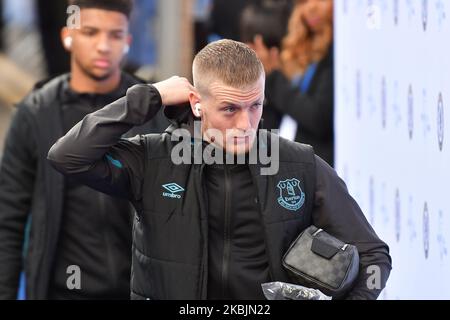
(170, 241)
(29, 186)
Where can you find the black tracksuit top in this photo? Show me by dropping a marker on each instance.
(188, 245)
(238, 262)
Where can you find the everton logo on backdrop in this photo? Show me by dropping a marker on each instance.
(396, 12)
(440, 122)
(410, 112)
(383, 102)
(291, 195)
(424, 14)
(426, 230)
(371, 201)
(398, 220)
(358, 94)
(441, 236)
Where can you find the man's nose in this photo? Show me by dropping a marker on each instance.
(103, 44)
(243, 122)
(311, 6)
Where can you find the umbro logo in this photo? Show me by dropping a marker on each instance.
(173, 189)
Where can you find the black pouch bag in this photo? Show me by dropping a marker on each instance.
(320, 261)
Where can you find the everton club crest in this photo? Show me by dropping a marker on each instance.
(291, 195)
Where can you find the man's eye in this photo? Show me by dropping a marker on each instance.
(89, 33)
(118, 36)
(230, 109)
(256, 106)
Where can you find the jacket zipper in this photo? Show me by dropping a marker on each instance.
(204, 265)
(263, 223)
(227, 240)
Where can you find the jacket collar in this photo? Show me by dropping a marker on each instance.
(67, 94)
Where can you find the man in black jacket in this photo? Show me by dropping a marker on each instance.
(76, 250)
(205, 228)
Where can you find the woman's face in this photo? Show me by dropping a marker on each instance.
(317, 14)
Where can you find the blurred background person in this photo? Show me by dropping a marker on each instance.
(201, 15)
(299, 83)
(225, 18)
(1, 24)
(71, 225)
(51, 18)
(267, 19)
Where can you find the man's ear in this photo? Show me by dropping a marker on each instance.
(194, 101)
(129, 41)
(66, 38)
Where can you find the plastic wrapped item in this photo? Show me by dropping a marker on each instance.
(288, 291)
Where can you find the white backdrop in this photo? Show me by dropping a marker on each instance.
(392, 132)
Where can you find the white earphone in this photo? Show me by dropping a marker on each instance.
(198, 109)
(68, 42)
(126, 49)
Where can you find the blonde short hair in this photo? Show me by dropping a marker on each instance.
(231, 62)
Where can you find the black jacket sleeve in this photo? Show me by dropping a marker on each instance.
(337, 212)
(314, 110)
(17, 177)
(94, 152)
